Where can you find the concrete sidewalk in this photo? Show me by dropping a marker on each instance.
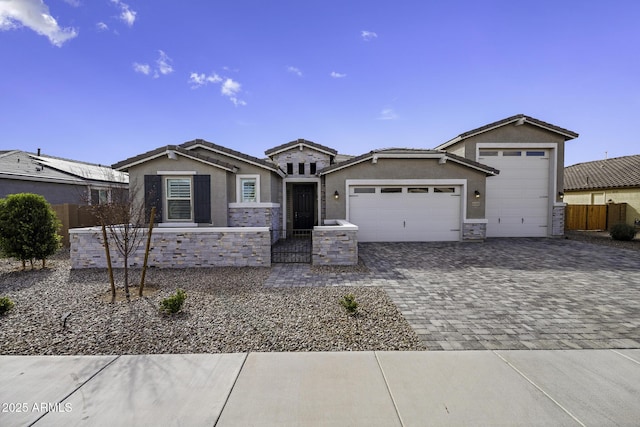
(554, 387)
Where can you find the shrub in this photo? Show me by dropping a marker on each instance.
(28, 228)
(622, 231)
(349, 303)
(5, 305)
(173, 304)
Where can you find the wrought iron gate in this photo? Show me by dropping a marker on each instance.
(291, 246)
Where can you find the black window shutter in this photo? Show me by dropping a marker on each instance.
(202, 196)
(153, 196)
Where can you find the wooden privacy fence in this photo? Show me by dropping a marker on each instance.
(73, 216)
(594, 217)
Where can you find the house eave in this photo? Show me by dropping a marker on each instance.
(171, 151)
(518, 120)
(242, 159)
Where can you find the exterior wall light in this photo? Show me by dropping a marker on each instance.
(336, 195)
(476, 194)
(561, 195)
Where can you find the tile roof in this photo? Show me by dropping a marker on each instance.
(513, 119)
(409, 152)
(297, 142)
(141, 158)
(617, 172)
(237, 154)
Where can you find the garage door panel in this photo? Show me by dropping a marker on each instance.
(424, 216)
(517, 202)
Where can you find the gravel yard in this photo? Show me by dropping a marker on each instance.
(227, 310)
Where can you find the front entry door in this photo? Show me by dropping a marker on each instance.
(303, 201)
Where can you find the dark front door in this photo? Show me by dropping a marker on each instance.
(303, 201)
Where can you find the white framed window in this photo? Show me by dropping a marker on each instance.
(248, 188)
(99, 196)
(179, 198)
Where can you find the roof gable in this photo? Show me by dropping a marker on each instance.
(617, 172)
(173, 150)
(410, 153)
(201, 143)
(298, 143)
(518, 119)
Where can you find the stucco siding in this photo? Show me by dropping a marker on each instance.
(55, 194)
(219, 179)
(408, 169)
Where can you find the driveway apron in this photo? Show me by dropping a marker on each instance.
(502, 294)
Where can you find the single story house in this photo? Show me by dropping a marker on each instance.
(59, 180)
(615, 180)
(504, 179)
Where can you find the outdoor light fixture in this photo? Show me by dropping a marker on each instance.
(477, 194)
(336, 195)
(561, 195)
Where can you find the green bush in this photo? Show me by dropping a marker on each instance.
(5, 305)
(622, 231)
(28, 228)
(173, 304)
(349, 303)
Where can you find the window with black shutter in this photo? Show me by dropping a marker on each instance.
(202, 198)
(153, 196)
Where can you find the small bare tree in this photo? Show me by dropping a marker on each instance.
(124, 219)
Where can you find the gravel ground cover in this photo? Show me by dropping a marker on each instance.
(227, 310)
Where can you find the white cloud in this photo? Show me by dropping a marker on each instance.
(295, 70)
(33, 14)
(387, 114)
(202, 79)
(368, 35)
(228, 87)
(163, 66)
(74, 3)
(127, 15)
(142, 68)
(337, 75)
(101, 26)
(163, 62)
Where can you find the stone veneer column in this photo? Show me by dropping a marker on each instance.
(557, 220)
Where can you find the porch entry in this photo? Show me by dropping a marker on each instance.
(294, 244)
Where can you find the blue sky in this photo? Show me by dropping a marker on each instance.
(104, 80)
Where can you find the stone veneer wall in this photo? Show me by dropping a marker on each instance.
(257, 217)
(557, 220)
(474, 231)
(179, 248)
(335, 244)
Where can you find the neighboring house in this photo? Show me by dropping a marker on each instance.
(58, 180)
(615, 180)
(502, 179)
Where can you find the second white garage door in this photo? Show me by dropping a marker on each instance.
(405, 213)
(518, 198)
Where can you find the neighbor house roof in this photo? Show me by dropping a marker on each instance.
(172, 150)
(17, 164)
(518, 119)
(298, 143)
(409, 153)
(618, 172)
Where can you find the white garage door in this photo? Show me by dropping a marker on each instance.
(405, 213)
(517, 202)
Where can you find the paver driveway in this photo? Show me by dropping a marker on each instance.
(501, 294)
